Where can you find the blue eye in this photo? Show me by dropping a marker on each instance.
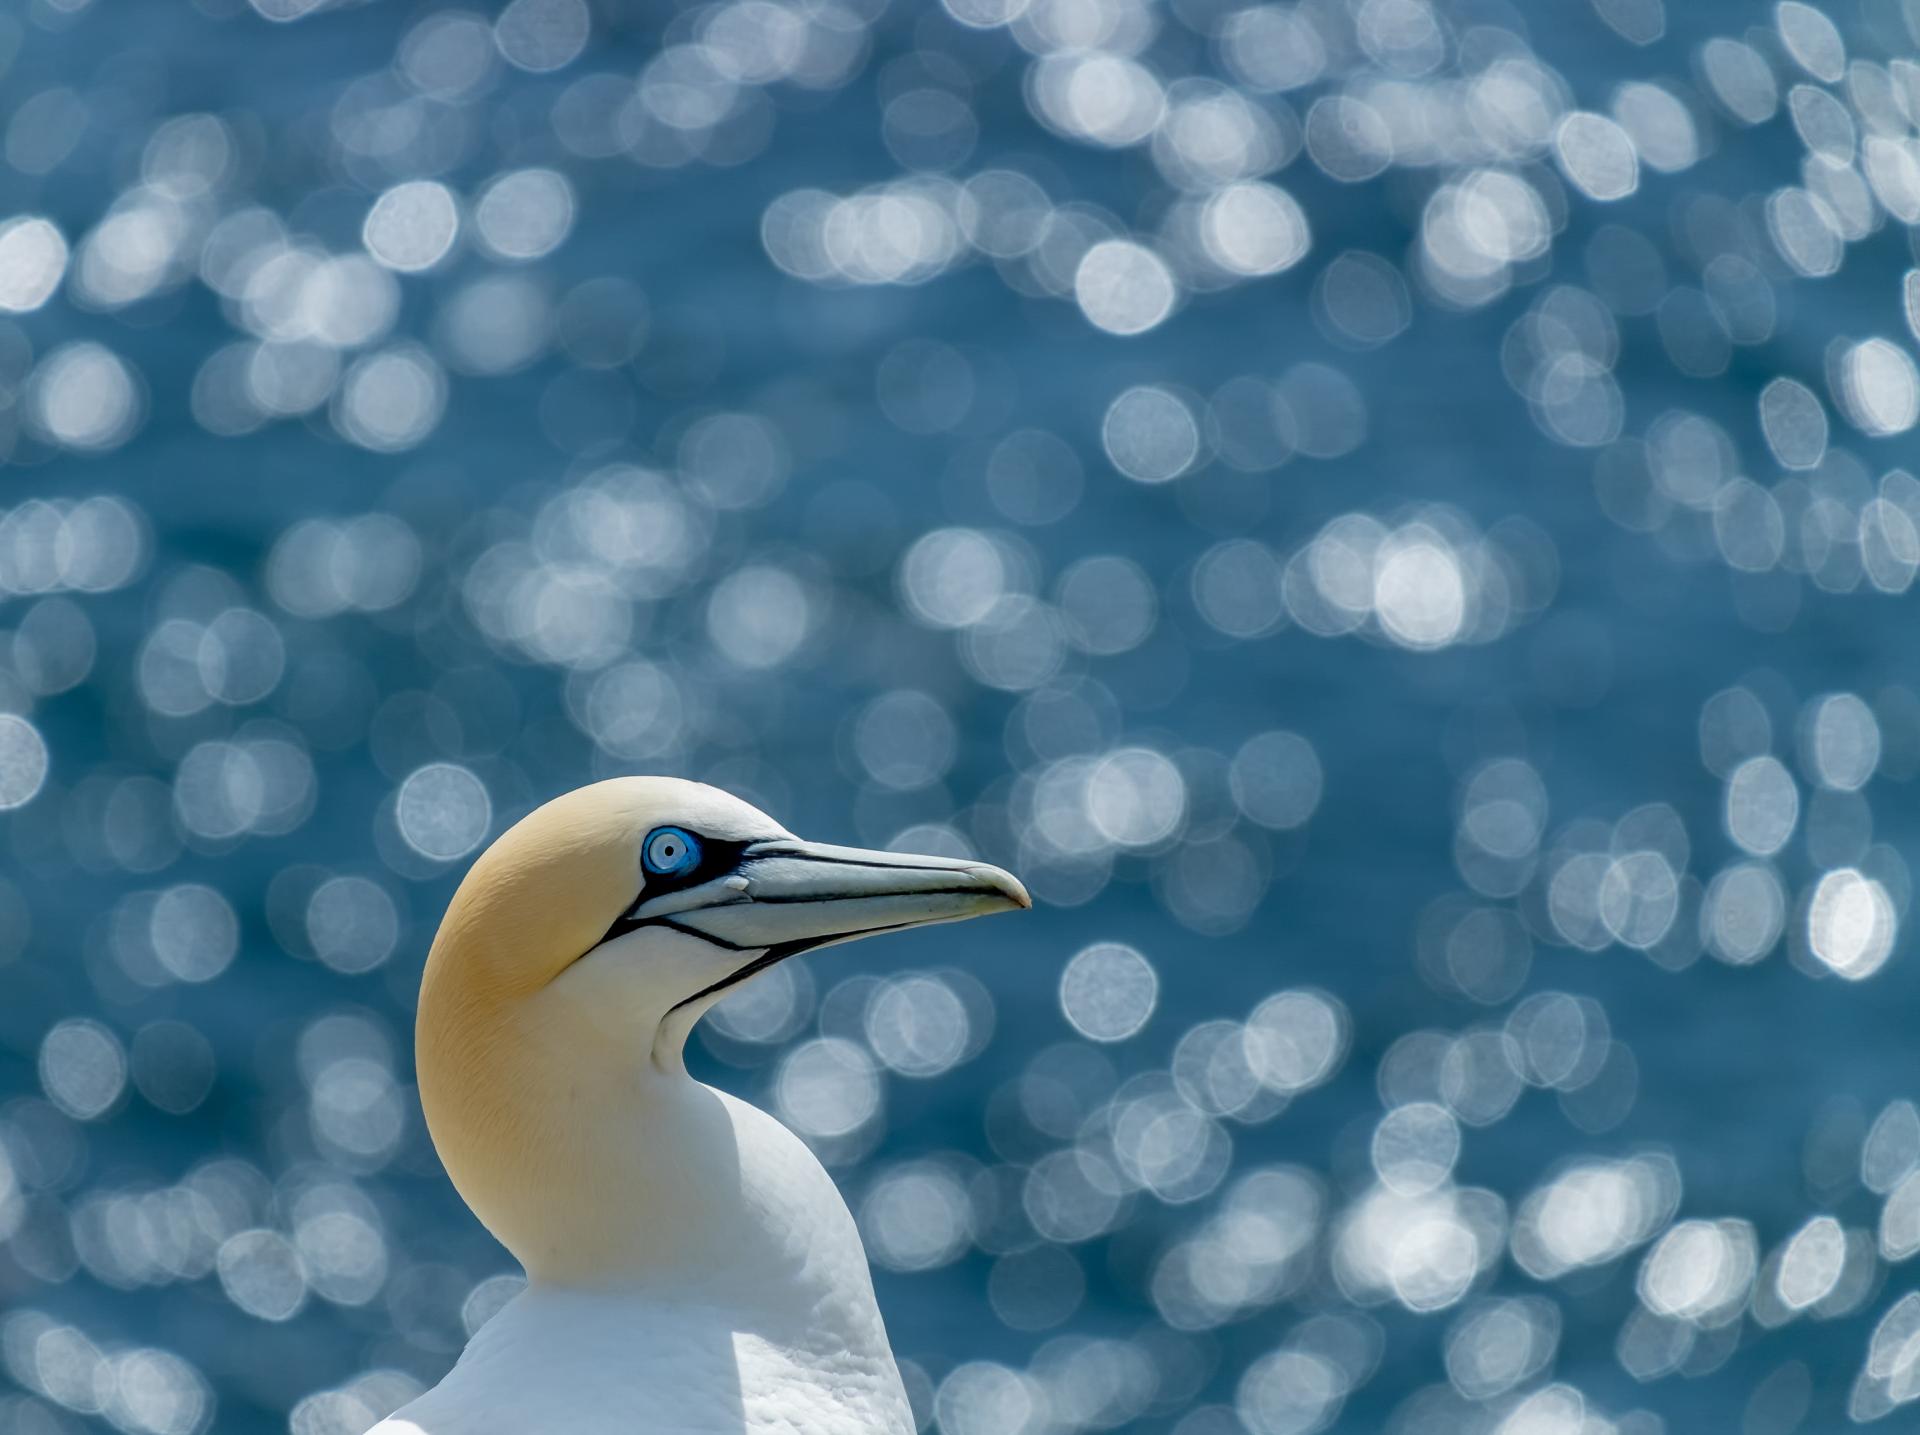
(670, 851)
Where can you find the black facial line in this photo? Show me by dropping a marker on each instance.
(828, 896)
(687, 931)
(780, 953)
(633, 924)
(759, 964)
(825, 861)
(717, 858)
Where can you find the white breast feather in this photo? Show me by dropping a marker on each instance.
(803, 1357)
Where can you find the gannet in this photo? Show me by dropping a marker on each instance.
(691, 1268)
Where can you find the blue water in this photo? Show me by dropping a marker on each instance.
(1522, 621)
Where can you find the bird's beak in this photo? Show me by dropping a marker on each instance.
(787, 896)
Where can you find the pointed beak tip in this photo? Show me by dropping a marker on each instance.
(1005, 884)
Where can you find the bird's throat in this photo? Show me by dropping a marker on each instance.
(599, 1168)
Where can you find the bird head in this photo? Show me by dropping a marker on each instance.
(584, 944)
(657, 896)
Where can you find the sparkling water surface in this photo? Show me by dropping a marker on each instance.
(1390, 516)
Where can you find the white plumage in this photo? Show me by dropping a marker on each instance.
(786, 1339)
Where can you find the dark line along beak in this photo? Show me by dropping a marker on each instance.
(787, 891)
(788, 896)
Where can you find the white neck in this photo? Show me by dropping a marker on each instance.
(692, 1268)
(661, 1185)
(570, 1125)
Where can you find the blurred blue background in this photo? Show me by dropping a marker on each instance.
(1386, 514)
